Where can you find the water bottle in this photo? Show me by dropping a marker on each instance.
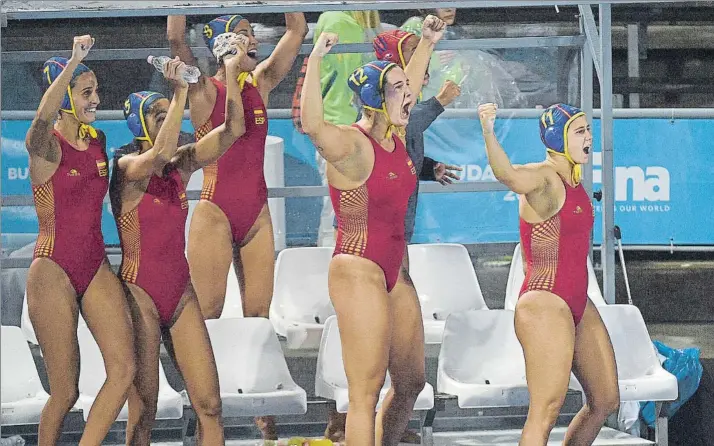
(190, 74)
(15, 440)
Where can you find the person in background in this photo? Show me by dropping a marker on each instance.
(232, 222)
(481, 75)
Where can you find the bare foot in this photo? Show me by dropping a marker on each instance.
(267, 427)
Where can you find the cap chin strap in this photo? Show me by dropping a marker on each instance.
(577, 174)
(391, 128)
(142, 119)
(243, 78)
(85, 130)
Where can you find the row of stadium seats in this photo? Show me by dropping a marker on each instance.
(480, 361)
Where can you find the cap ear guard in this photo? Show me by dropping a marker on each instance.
(552, 137)
(371, 96)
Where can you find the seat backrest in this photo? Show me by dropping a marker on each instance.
(445, 279)
(301, 293)
(480, 347)
(516, 276)
(18, 373)
(26, 323)
(91, 371)
(329, 359)
(91, 365)
(330, 367)
(233, 304)
(248, 356)
(634, 353)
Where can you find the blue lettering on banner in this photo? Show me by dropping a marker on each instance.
(663, 178)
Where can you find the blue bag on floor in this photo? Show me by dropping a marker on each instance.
(686, 367)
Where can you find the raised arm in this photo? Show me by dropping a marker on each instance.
(273, 70)
(208, 149)
(39, 141)
(520, 179)
(141, 167)
(335, 143)
(176, 35)
(432, 31)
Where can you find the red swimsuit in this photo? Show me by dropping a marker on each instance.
(556, 251)
(69, 212)
(236, 182)
(153, 239)
(370, 219)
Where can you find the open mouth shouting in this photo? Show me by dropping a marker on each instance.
(406, 109)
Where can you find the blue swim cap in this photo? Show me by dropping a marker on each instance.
(51, 71)
(219, 25)
(368, 82)
(554, 123)
(136, 107)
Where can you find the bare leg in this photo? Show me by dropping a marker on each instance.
(361, 302)
(210, 251)
(406, 362)
(106, 311)
(52, 304)
(545, 329)
(145, 391)
(255, 265)
(195, 360)
(594, 366)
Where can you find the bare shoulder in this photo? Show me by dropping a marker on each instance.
(542, 169)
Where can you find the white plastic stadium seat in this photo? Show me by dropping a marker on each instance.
(639, 371)
(254, 377)
(301, 302)
(446, 283)
(92, 376)
(233, 305)
(481, 361)
(516, 278)
(26, 324)
(23, 397)
(331, 381)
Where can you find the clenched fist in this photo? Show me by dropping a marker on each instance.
(324, 44)
(487, 116)
(433, 28)
(449, 92)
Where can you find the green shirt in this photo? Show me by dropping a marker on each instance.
(337, 68)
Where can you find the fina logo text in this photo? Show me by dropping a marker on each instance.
(634, 183)
(648, 187)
